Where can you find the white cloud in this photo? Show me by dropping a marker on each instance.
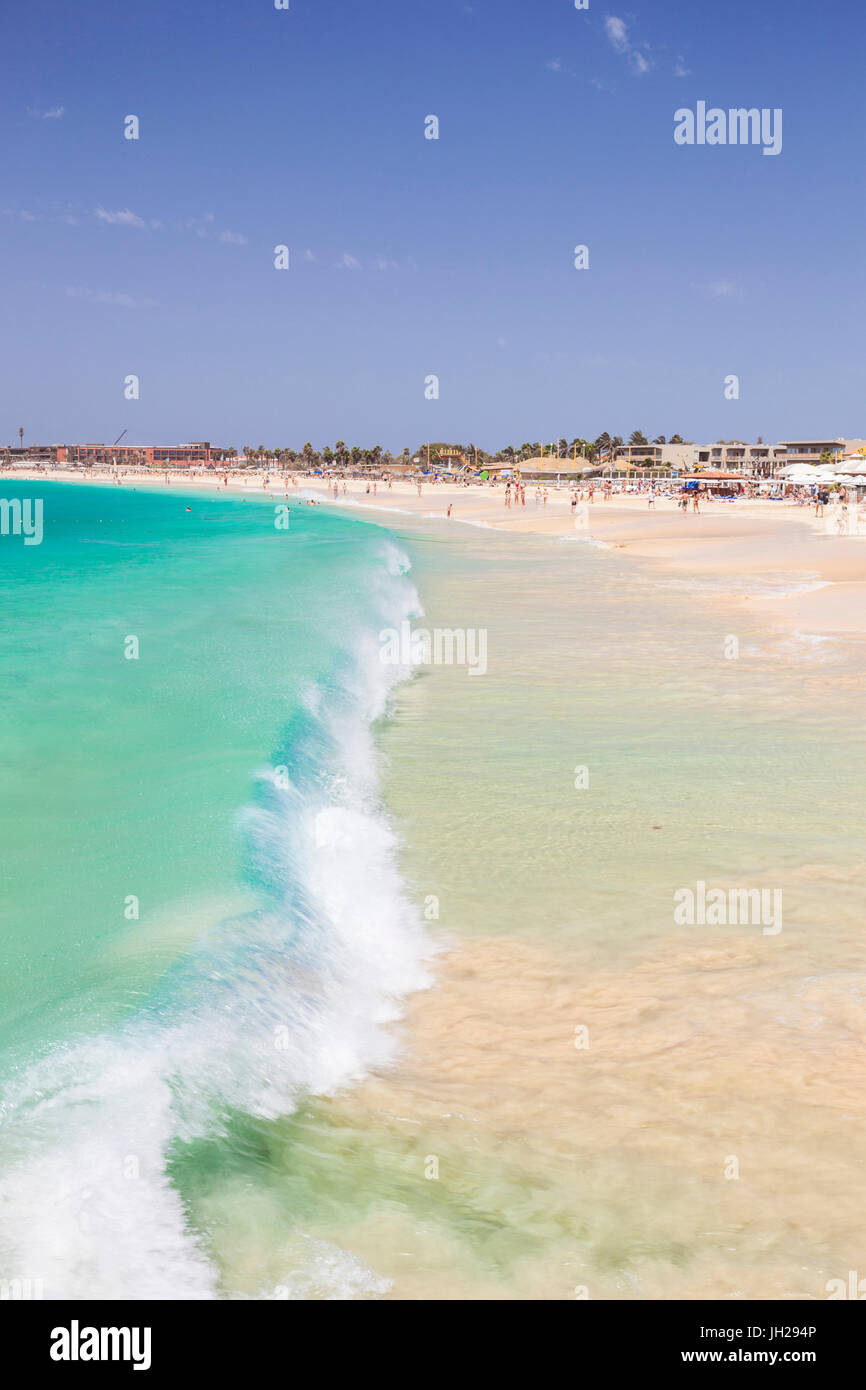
(119, 219)
(726, 287)
(638, 55)
(347, 262)
(201, 224)
(233, 238)
(617, 31)
(309, 255)
(122, 301)
(52, 114)
(680, 69)
(555, 65)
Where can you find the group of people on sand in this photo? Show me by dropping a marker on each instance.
(515, 494)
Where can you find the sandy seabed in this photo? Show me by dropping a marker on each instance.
(686, 1124)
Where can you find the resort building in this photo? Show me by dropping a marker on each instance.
(751, 460)
(178, 455)
(674, 456)
(755, 460)
(812, 450)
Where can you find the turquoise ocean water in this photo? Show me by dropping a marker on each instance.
(202, 915)
(214, 868)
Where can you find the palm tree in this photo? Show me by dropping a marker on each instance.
(637, 437)
(676, 439)
(660, 439)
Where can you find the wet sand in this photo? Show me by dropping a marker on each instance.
(624, 1110)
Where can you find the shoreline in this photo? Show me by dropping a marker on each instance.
(786, 564)
(703, 1044)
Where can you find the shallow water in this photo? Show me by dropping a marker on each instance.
(701, 1137)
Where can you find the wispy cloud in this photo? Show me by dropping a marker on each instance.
(53, 113)
(680, 69)
(113, 297)
(617, 31)
(233, 238)
(555, 65)
(638, 54)
(347, 262)
(201, 225)
(119, 219)
(309, 255)
(725, 287)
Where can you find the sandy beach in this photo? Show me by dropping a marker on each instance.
(592, 1100)
(820, 575)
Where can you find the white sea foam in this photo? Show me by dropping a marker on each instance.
(293, 999)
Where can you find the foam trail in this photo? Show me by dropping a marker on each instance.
(287, 1001)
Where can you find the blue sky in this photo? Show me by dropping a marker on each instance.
(412, 257)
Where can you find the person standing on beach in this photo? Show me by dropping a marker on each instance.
(450, 505)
